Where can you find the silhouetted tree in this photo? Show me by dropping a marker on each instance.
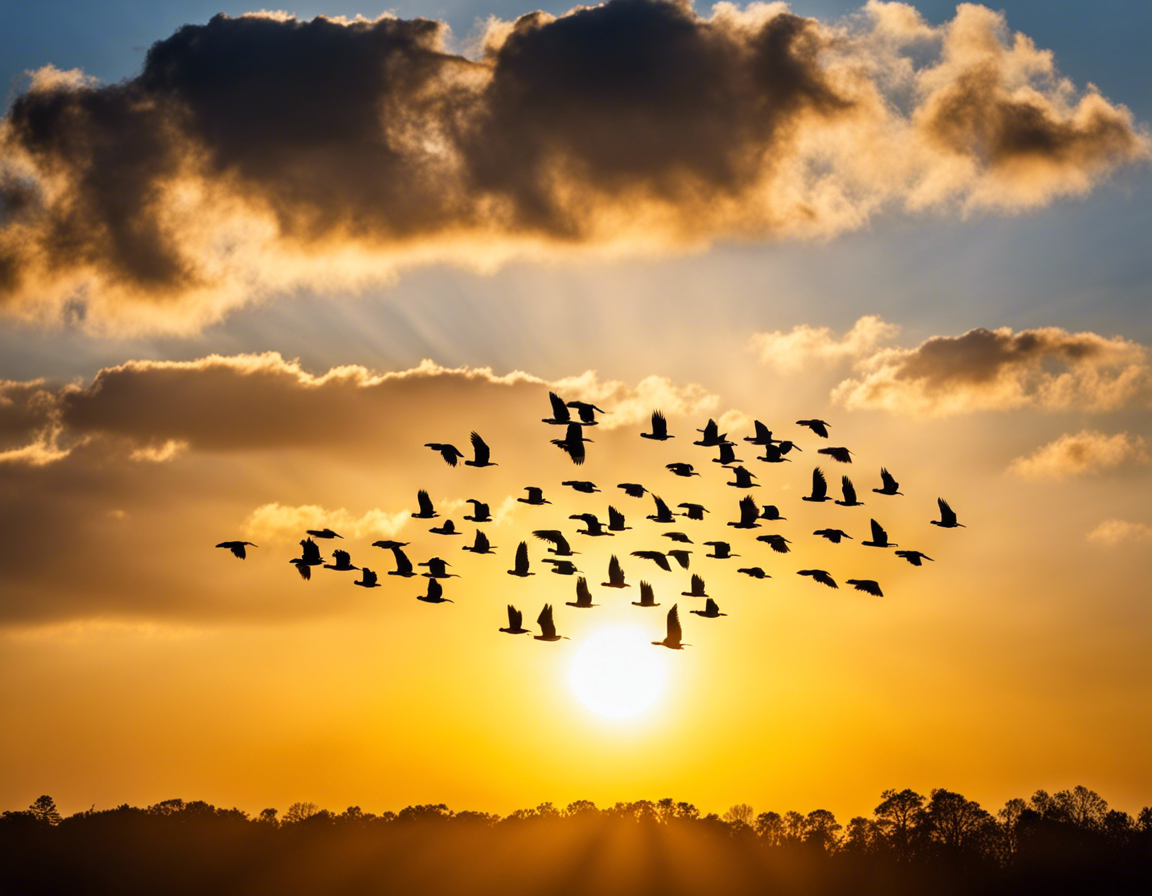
(898, 816)
(770, 828)
(44, 810)
(741, 813)
(821, 830)
(954, 822)
(299, 812)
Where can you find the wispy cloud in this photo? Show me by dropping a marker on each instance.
(1081, 453)
(1111, 533)
(802, 345)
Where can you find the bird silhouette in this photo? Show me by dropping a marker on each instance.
(560, 413)
(681, 469)
(581, 485)
(388, 544)
(547, 626)
(322, 533)
(303, 568)
(727, 455)
(515, 618)
(435, 594)
(633, 489)
(774, 454)
(681, 557)
(480, 545)
(817, 426)
(657, 557)
(573, 443)
(662, 514)
(437, 568)
(721, 550)
(849, 491)
(820, 576)
(659, 428)
(778, 543)
(749, 514)
(561, 567)
(710, 611)
(787, 445)
(616, 520)
(310, 553)
(763, 434)
(555, 537)
(879, 537)
(868, 586)
(450, 453)
(583, 595)
(697, 588)
(237, 547)
(426, 512)
(711, 435)
(916, 558)
(755, 572)
(947, 516)
(843, 455)
(833, 535)
(481, 454)
(647, 597)
(819, 487)
(890, 487)
(772, 513)
(535, 496)
(403, 564)
(446, 528)
(743, 478)
(367, 579)
(481, 513)
(693, 511)
(678, 537)
(592, 524)
(615, 575)
(343, 561)
(672, 639)
(586, 411)
(520, 565)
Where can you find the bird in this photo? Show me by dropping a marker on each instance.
(573, 443)
(771, 512)
(868, 586)
(535, 496)
(367, 579)
(592, 522)
(819, 487)
(323, 533)
(672, 639)
(547, 626)
(237, 547)
(581, 485)
(343, 561)
(615, 575)
(586, 411)
(787, 445)
(435, 594)
(711, 435)
(561, 567)
(480, 453)
(560, 546)
(389, 544)
(310, 553)
(437, 568)
(520, 566)
(662, 514)
(446, 528)
(879, 537)
(721, 550)
(763, 434)
(817, 426)
(820, 576)
(749, 514)
(773, 454)
(833, 535)
(755, 572)
(616, 520)
(697, 589)
(743, 478)
(843, 455)
(711, 610)
(480, 545)
(426, 512)
(583, 595)
(681, 469)
(659, 428)
(450, 453)
(680, 557)
(657, 557)
(560, 413)
(916, 558)
(693, 511)
(890, 487)
(633, 489)
(678, 537)
(947, 516)
(778, 543)
(403, 564)
(303, 568)
(727, 455)
(481, 512)
(647, 597)
(849, 491)
(515, 618)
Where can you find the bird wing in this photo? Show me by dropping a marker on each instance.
(583, 594)
(615, 517)
(544, 620)
(661, 507)
(848, 489)
(878, 533)
(710, 607)
(424, 501)
(889, 482)
(522, 557)
(674, 631)
(614, 569)
(514, 617)
(819, 484)
(660, 559)
(749, 512)
(646, 594)
(305, 571)
(480, 449)
(403, 564)
(697, 582)
(559, 409)
(659, 424)
(368, 576)
(343, 558)
(947, 515)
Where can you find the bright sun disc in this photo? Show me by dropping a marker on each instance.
(617, 674)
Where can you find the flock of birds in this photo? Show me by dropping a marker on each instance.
(751, 516)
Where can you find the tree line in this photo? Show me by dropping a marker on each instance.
(1066, 842)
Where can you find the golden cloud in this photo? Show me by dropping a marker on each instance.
(1115, 532)
(1084, 452)
(794, 350)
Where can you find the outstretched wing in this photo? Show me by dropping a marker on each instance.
(661, 508)
(559, 409)
(890, 483)
(697, 582)
(435, 589)
(659, 424)
(515, 617)
(480, 449)
(615, 517)
(749, 512)
(878, 533)
(544, 620)
(656, 556)
(819, 484)
(674, 631)
(710, 607)
(583, 594)
(849, 490)
(947, 515)
(615, 571)
(522, 557)
(424, 501)
(403, 564)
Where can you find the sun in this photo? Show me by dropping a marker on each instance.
(617, 674)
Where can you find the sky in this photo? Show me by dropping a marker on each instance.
(250, 265)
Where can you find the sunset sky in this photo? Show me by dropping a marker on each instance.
(249, 265)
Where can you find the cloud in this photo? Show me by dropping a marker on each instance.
(277, 523)
(1048, 368)
(1084, 452)
(1111, 533)
(259, 154)
(802, 345)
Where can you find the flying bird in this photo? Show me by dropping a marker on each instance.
(450, 453)
(481, 513)
(581, 485)
(573, 443)
(310, 553)
(515, 618)
(535, 496)
(633, 489)
(833, 535)
(480, 545)
(592, 523)
(727, 455)
(435, 594)
(403, 564)
(560, 546)
(743, 478)
(561, 567)
(303, 568)
(843, 455)
(237, 547)
(721, 550)
(681, 469)
(681, 557)
(481, 453)
(778, 543)
(662, 514)
(446, 528)
(849, 491)
(583, 595)
(817, 426)
(678, 537)
(437, 568)
(890, 487)
(657, 557)
(697, 589)
(586, 411)
(755, 572)
(616, 520)
(819, 487)
(693, 511)
(710, 611)
(820, 576)
(389, 544)
(323, 533)
(711, 435)
(520, 565)
(774, 454)
(367, 579)
(647, 597)
(343, 561)
(659, 428)
(615, 575)
(771, 512)
(426, 512)
(547, 626)
(947, 516)
(868, 586)
(763, 434)
(672, 639)
(879, 537)
(560, 414)
(749, 514)
(916, 558)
